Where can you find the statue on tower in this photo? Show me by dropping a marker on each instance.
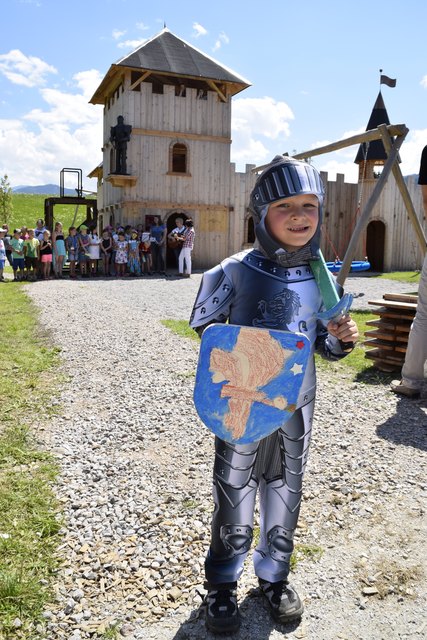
(119, 137)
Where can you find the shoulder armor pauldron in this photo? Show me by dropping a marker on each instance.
(214, 297)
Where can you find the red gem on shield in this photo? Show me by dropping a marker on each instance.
(300, 344)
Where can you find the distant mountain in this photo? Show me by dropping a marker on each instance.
(44, 189)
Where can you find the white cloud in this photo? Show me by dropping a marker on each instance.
(131, 44)
(222, 39)
(410, 151)
(142, 26)
(332, 167)
(118, 34)
(423, 82)
(67, 133)
(198, 30)
(88, 81)
(256, 123)
(27, 71)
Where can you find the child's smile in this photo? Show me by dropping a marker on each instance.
(293, 221)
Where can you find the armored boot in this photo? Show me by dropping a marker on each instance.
(284, 602)
(222, 612)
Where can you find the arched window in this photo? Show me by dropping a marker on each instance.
(178, 158)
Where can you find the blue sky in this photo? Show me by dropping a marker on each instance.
(314, 68)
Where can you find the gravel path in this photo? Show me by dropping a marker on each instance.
(136, 481)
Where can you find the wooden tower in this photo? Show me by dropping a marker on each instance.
(178, 103)
(376, 241)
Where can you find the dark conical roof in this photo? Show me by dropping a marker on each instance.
(167, 55)
(376, 149)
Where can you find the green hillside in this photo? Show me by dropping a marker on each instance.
(27, 208)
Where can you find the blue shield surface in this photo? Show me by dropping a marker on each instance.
(248, 380)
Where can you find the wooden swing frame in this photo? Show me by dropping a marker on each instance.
(386, 133)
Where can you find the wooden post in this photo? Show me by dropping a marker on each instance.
(387, 141)
(364, 216)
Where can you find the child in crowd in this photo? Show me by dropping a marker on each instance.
(2, 253)
(145, 252)
(45, 253)
(94, 252)
(121, 254)
(18, 262)
(7, 238)
(128, 232)
(59, 250)
(84, 242)
(72, 244)
(24, 233)
(271, 286)
(106, 250)
(134, 264)
(31, 252)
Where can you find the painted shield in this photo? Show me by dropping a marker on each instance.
(248, 380)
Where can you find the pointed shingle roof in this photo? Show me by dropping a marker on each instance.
(167, 55)
(375, 149)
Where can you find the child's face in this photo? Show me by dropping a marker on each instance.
(31, 233)
(293, 221)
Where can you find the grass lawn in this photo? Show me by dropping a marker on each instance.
(412, 277)
(29, 522)
(27, 208)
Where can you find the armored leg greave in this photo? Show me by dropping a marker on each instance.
(275, 464)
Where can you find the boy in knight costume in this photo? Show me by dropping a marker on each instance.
(271, 286)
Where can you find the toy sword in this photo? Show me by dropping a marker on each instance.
(336, 307)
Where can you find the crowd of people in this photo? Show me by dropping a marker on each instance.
(119, 251)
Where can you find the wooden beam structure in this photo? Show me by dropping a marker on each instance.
(366, 212)
(385, 133)
(397, 173)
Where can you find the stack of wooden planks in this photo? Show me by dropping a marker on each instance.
(388, 339)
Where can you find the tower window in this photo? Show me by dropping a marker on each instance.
(179, 155)
(157, 87)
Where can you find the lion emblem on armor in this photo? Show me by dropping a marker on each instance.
(278, 312)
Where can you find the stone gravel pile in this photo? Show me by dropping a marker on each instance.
(135, 484)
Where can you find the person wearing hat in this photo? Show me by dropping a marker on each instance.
(2, 253)
(270, 286)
